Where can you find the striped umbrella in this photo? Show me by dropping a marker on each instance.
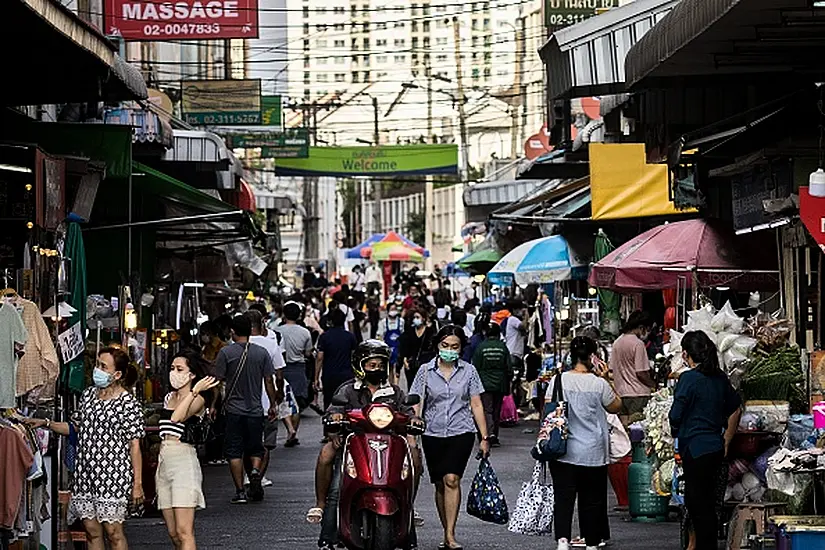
(395, 252)
(541, 261)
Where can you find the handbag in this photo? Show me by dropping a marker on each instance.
(620, 445)
(486, 499)
(551, 443)
(534, 507)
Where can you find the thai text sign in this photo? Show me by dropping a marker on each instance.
(181, 19)
(562, 13)
(292, 143)
(390, 160)
(71, 342)
(271, 110)
(221, 102)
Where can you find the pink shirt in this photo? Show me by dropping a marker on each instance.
(628, 358)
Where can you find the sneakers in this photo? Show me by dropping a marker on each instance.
(266, 482)
(563, 544)
(326, 546)
(239, 498)
(256, 491)
(418, 519)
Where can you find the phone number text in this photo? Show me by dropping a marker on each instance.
(174, 29)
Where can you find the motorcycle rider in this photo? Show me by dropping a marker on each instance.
(370, 363)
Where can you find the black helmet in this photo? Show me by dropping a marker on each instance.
(369, 349)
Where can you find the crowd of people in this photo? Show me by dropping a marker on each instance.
(331, 344)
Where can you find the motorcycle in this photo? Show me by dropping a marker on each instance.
(375, 510)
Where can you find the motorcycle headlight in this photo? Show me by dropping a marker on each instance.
(350, 467)
(381, 417)
(405, 469)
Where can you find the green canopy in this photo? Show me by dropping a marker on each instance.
(610, 301)
(176, 191)
(480, 261)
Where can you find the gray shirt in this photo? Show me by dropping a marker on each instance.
(587, 395)
(446, 403)
(245, 398)
(296, 342)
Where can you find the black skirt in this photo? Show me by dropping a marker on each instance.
(447, 455)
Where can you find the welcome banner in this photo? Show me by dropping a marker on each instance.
(389, 160)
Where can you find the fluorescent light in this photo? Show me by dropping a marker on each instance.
(193, 285)
(13, 168)
(722, 288)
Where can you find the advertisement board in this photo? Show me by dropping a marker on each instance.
(221, 102)
(181, 19)
(271, 110)
(563, 13)
(292, 143)
(389, 160)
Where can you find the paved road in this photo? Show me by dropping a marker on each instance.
(278, 522)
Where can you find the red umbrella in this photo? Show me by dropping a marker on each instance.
(659, 258)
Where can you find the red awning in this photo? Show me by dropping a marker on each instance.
(246, 197)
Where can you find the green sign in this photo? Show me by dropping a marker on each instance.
(293, 143)
(389, 160)
(221, 102)
(563, 13)
(271, 110)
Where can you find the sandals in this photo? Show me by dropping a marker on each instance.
(315, 515)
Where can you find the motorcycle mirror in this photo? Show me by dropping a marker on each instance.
(340, 401)
(412, 400)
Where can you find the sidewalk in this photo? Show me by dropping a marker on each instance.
(278, 522)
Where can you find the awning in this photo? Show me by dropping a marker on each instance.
(203, 158)
(730, 37)
(554, 165)
(176, 191)
(56, 57)
(557, 199)
(491, 193)
(588, 58)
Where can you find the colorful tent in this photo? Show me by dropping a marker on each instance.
(395, 252)
(541, 261)
(673, 254)
(364, 250)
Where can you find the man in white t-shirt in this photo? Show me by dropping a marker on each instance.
(349, 315)
(374, 276)
(277, 356)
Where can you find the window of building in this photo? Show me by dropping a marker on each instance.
(339, 27)
(415, 42)
(399, 42)
(426, 42)
(322, 60)
(486, 73)
(486, 24)
(414, 9)
(306, 62)
(321, 77)
(379, 76)
(400, 58)
(502, 23)
(338, 10)
(322, 10)
(306, 92)
(321, 27)
(306, 45)
(366, 76)
(502, 72)
(340, 59)
(321, 93)
(441, 58)
(381, 26)
(475, 41)
(414, 26)
(306, 12)
(441, 24)
(441, 41)
(339, 44)
(340, 77)
(398, 25)
(381, 59)
(426, 9)
(306, 28)
(366, 43)
(306, 77)
(426, 26)
(381, 42)
(355, 77)
(441, 9)
(321, 43)
(475, 24)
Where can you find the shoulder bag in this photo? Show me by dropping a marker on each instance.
(551, 443)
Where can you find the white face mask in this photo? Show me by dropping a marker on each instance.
(393, 313)
(179, 379)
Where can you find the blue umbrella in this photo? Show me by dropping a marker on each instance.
(541, 261)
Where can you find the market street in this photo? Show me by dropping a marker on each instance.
(279, 521)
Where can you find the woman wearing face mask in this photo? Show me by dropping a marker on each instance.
(704, 416)
(390, 331)
(107, 477)
(417, 344)
(450, 391)
(178, 478)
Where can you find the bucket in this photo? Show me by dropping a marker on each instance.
(818, 411)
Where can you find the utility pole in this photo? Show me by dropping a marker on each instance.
(523, 91)
(377, 184)
(227, 59)
(462, 122)
(515, 102)
(429, 186)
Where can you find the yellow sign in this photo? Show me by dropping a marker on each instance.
(221, 102)
(623, 185)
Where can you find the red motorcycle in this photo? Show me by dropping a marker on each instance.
(375, 510)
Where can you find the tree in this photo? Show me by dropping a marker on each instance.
(415, 227)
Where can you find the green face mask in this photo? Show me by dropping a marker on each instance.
(448, 355)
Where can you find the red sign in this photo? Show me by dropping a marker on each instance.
(812, 212)
(181, 19)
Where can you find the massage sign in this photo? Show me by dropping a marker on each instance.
(181, 19)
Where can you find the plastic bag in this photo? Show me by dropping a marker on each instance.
(486, 499)
(726, 320)
(800, 427)
(509, 413)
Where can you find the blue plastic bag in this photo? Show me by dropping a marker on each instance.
(486, 499)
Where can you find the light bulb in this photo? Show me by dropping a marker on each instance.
(816, 183)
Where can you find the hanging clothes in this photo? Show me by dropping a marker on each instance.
(13, 338)
(16, 461)
(38, 368)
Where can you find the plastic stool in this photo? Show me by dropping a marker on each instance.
(746, 513)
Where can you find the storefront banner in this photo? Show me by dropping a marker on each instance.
(181, 19)
(291, 143)
(389, 160)
(71, 343)
(812, 213)
(563, 13)
(222, 102)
